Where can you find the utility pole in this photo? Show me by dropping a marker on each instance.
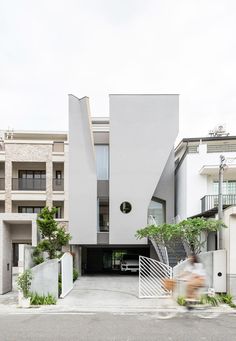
(220, 199)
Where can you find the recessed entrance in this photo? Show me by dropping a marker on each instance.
(108, 260)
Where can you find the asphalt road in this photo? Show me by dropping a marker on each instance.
(115, 327)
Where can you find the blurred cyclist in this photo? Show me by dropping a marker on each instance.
(195, 275)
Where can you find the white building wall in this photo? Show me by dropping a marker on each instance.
(82, 174)
(143, 129)
(181, 191)
(191, 186)
(228, 243)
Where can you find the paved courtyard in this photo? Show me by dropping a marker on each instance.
(104, 293)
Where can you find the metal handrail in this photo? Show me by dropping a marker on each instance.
(58, 184)
(20, 184)
(160, 249)
(209, 202)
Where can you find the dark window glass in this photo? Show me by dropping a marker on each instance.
(125, 207)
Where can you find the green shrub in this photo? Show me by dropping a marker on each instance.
(213, 300)
(181, 300)
(24, 282)
(36, 299)
(37, 256)
(226, 298)
(75, 274)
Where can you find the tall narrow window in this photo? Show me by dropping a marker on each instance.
(102, 161)
(156, 212)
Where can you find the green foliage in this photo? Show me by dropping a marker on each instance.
(189, 231)
(36, 299)
(181, 300)
(24, 282)
(37, 256)
(213, 300)
(53, 235)
(75, 274)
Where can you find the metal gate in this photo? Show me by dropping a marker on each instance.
(151, 278)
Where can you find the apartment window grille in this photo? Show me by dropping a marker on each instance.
(192, 149)
(221, 148)
(228, 187)
(30, 209)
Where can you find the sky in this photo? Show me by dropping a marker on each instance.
(50, 48)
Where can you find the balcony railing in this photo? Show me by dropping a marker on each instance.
(211, 201)
(2, 184)
(58, 184)
(19, 184)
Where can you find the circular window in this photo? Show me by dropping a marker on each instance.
(125, 207)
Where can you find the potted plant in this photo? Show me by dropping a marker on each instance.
(24, 283)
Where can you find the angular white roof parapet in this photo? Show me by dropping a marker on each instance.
(82, 174)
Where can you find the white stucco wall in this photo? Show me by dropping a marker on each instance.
(82, 174)
(191, 186)
(143, 129)
(228, 243)
(45, 278)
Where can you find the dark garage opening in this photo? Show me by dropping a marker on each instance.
(107, 260)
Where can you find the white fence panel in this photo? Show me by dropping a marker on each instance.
(66, 274)
(151, 278)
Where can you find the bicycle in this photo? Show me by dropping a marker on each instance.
(192, 306)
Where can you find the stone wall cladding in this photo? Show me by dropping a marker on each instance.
(19, 152)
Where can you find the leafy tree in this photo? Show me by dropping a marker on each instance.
(53, 236)
(24, 282)
(189, 231)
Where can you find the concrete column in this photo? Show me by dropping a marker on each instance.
(8, 186)
(5, 258)
(49, 179)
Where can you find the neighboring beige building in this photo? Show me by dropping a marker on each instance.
(33, 166)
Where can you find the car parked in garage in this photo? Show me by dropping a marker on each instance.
(130, 263)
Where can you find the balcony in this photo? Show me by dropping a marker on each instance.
(58, 184)
(209, 202)
(19, 184)
(2, 184)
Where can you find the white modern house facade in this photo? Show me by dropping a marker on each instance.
(197, 191)
(197, 174)
(106, 177)
(121, 170)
